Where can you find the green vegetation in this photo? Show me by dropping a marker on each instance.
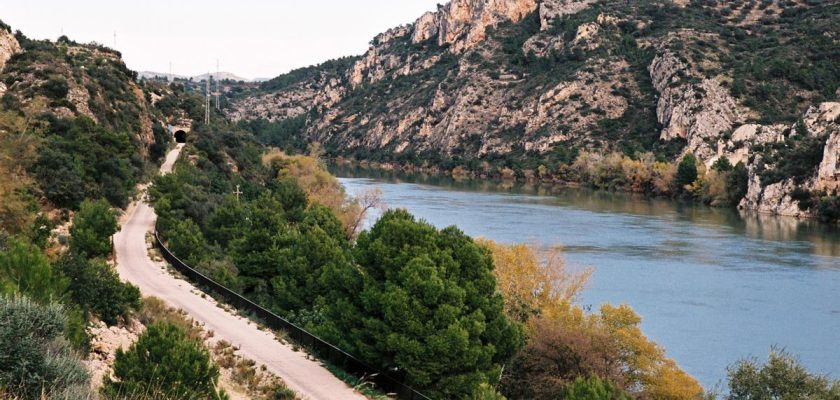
(593, 389)
(35, 360)
(798, 158)
(98, 290)
(284, 243)
(781, 377)
(686, 171)
(93, 226)
(285, 134)
(432, 295)
(331, 68)
(164, 363)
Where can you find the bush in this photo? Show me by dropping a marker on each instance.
(164, 361)
(35, 362)
(93, 226)
(97, 288)
(593, 389)
(55, 88)
(781, 377)
(25, 269)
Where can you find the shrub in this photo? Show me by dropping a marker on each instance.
(593, 389)
(97, 288)
(164, 361)
(781, 377)
(93, 226)
(55, 88)
(25, 269)
(35, 362)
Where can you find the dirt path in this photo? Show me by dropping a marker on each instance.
(308, 378)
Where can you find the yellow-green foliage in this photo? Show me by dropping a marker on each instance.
(608, 343)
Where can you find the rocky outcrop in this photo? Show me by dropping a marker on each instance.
(9, 46)
(292, 102)
(462, 24)
(776, 198)
(828, 176)
(691, 106)
(551, 10)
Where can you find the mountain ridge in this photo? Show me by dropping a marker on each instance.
(488, 85)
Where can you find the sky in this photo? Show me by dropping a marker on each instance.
(251, 38)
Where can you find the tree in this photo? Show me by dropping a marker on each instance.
(593, 389)
(737, 183)
(93, 226)
(97, 288)
(533, 283)
(166, 362)
(686, 171)
(428, 307)
(35, 362)
(186, 241)
(25, 269)
(781, 377)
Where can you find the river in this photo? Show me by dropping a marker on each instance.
(712, 285)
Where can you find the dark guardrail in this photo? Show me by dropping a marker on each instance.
(325, 351)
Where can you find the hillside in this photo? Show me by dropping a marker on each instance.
(527, 85)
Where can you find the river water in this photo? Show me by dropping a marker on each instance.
(712, 285)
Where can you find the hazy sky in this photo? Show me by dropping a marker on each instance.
(250, 38)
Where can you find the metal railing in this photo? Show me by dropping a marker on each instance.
(323, 350)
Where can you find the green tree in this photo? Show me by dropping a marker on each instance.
(722, 165)
(686, 171)
(186, 241)
(164, 361)
(97, 288)
(781, 377)
(93, 226)
(35, 361)
(737, 183)
(425, 304)
(25, 269)
(593, 389)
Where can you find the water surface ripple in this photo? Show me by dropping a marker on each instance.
(711, 285)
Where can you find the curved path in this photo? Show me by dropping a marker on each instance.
(306, 377)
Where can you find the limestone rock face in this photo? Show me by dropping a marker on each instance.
(289, 103)
(828, 177)
(553, 9)
(698, 112)
(462, 24)
(9, 46)
(820, 121)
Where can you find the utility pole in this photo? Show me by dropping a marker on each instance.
(115, 40)
(207, 100)
(171, 77)
(218, 106)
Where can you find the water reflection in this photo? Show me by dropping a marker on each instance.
(712, 285)
(820, 238)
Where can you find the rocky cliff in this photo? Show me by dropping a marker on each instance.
(521, 84)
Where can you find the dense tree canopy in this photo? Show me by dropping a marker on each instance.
(427, 307)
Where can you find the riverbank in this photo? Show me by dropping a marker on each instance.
(712, 285)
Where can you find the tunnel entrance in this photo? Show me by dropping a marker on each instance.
(180, 137)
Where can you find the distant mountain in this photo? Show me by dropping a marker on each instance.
(221, 76)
